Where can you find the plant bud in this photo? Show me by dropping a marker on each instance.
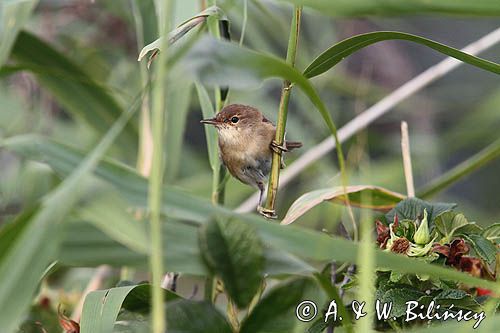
(422, 235)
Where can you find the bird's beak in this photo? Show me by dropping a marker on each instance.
(209, 121)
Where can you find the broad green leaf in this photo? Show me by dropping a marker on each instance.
(382, 199)
(492, 232)
(208, 111)
(487, 324)
(411, 208)
(333, 294)
(27, 257)
(13, 16)
(185, 316)
(139, 298)
(101, 307)
(449, 222)
(391, 7)
(341, 50)
(75, 90)
(483, 247)
(470, 228)
(398, 296)
(303, 242)
(280, 301)
(473, 163)
(232, 251)
(458, 298)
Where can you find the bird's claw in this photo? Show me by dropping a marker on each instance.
(277, 148)
(267, 213)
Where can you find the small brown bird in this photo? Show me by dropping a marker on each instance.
(246, 143)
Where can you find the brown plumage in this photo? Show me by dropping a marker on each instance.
(245, 139)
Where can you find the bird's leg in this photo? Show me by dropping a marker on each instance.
(267, 213)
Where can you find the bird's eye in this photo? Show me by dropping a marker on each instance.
(234, 120)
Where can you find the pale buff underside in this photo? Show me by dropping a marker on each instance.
(245, 151)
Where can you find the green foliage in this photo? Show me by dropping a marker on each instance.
(101, 307)
(29, 254)
(180, 315)
(79, 93)
(13, 16)
(341, 50)
(278, 303)
(382, 199)
(233, 252)
(412, 208)
(388, 7)
(99, 213)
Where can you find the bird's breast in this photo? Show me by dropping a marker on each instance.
(242, 151)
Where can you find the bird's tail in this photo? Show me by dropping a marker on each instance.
(291, 145)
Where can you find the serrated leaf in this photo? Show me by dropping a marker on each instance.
(381, 199)
(411, 208)
(341, 50)
(233, 251)
(458, 298)
(280, 301)
(492, 232)
(185, 316)
(483, 247)
(449, 222)
(398, 296)
(470, 228)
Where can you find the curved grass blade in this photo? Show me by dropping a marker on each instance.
(179, 204)
(183, 29)
(488, 154)
(341, 50)
(84, 245)
(71, 86)
(13, 16)
(382, 199)
(391, 7)
(208, 111)
(101, 307)
(28, 256)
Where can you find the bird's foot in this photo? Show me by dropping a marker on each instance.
(267, 213)
(277, 148)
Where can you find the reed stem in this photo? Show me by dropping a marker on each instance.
(157, 171)
(291, 54)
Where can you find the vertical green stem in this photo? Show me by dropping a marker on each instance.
(156, 177)
(218, 176)
(283, 112)
(366, 266)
